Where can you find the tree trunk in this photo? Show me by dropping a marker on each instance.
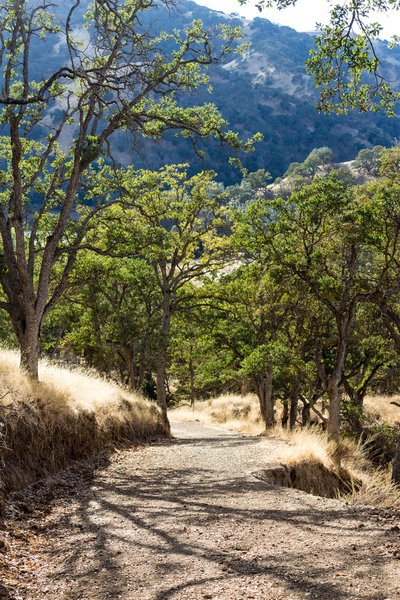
(30, 350)
(396, 466)
(161, 391)
(306, 414)
(285, 414)
(28, 334)
(60, 331)
(192, 388)
(142, 365)
(334, 409)
(294, 402)
(128, 354)
(263, 385)
(161, 371)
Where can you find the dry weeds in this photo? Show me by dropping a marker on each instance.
(380, 408)
(67, 415)
(238, 413)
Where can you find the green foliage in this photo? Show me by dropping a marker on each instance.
(312, 164)
(251, 186)
(350, 411)
(369, 160)
(345, 63)
(345, 175)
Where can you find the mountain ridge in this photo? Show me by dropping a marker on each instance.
(266, 90)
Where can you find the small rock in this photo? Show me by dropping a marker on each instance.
(3, 543)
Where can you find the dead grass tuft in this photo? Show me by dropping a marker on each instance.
(68, 415)
(377, 489)
(316, 465)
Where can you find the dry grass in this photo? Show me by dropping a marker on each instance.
(315, 460)
(238, 413)
(67, 415)
(310, 443)
(317, 465)
(379, 408)
(376, 490)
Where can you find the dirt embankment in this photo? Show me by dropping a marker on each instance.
(189, 519)
(67, 415)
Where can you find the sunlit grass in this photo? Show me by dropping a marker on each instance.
(67, 415)
(238, 413)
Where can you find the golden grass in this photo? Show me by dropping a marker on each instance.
(317, 465)
(315, 460)
(66, 415)
(311, 443)
(377, 490)
(238, 413)
(379, 407)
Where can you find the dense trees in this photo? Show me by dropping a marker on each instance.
(274, 295)
(296, 298)
(169, 237)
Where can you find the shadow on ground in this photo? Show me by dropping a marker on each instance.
(124, 518)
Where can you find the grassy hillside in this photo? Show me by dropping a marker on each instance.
(265, 90)
(68, 415)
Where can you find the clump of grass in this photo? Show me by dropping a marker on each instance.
(319, 466)
(377, 489)
(380, 407)
(239, 413)
(313, 443)
(314, 466)
(67, 415)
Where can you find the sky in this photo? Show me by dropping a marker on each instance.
(301, 17)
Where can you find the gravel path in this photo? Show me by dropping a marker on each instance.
(188, 519)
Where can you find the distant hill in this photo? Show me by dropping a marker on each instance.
(266, 90)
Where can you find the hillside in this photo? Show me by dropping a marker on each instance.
(265, 90)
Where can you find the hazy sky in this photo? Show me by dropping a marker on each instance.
(302, 17)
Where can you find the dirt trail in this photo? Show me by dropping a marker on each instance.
(187, 519)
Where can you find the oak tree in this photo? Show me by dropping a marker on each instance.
(117, 74)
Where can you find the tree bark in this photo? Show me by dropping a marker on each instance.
(128, 354)
(396, 466)
(191, 373)
(294, 402)
(161, 371)
(333, 425)
(161, 391)
(285, 414)
(27, 330)
(263, 386)
(30, 351)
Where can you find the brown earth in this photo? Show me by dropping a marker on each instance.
(189, 519)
